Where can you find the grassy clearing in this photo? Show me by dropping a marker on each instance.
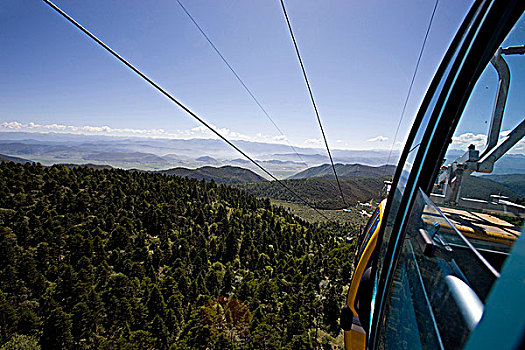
(311, 215)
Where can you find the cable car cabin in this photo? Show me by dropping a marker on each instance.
(445, 270)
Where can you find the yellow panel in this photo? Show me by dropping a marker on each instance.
(361, 264)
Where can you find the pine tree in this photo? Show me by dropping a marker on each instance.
(156, 304)
(159, 330)
(8, 317)
(331, 310)
(227, 281)
(57, 330)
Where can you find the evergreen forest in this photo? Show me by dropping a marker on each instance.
(113, 259)
(321, 193)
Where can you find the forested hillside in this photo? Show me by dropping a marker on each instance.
(321, 193)
(221, 175)
(515, 182)
(481, 187)
(6, 158)
(345, 171)
(111, 259)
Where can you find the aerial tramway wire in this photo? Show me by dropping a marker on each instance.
(240, 80)
(313, 100)
(411, 84)
(174, 100)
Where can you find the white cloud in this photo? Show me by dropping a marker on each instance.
(196, 132)
(505, 133)
(378, 138)
(204, 132)
(398, 145)
(13, 125)
(86, 129)
(313, 141)
(201, 128)
(519, 148)
(462, 142)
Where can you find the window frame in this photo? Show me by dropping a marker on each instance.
(484, 28)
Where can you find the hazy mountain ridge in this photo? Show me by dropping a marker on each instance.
(325, 171)
(481, 187)
(207, 160)
(5, 158)
(222, 175)
(159, 154)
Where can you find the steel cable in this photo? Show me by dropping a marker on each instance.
(174, 100)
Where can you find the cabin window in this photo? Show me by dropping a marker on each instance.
(481, 192)
(457, 238)
(439, 285)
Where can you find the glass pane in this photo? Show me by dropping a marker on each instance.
(439, 287)
(394, 209)
(484, 195)
(407, 166)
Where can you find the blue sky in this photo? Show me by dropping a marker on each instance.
(359, 56)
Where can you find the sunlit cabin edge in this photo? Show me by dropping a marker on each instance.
(430, 266)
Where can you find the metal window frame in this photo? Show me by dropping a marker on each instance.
(484, 28)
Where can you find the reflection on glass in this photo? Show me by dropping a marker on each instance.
(439, 286)
(481, 185)
(407, 166)
(452, 254)
(398, 193)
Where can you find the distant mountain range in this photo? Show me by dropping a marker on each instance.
(153, 154)
(204, 160)
(325, 171)
(160, 154)
(5, 158)
(207, 160)
(223, 175)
